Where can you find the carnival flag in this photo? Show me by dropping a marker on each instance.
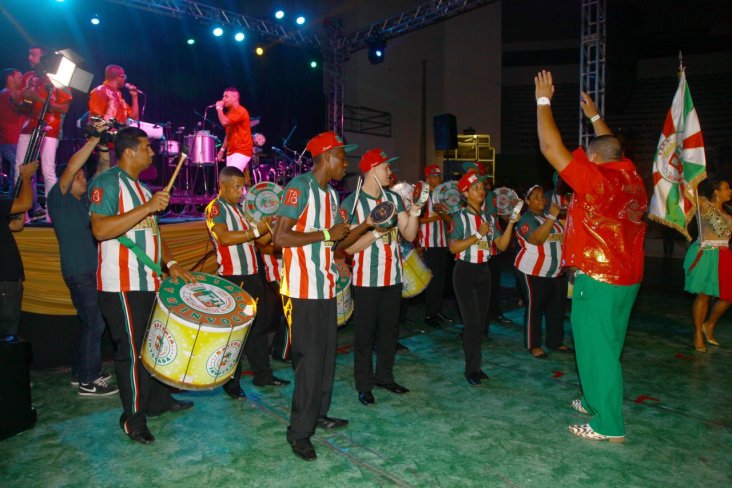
(680, 163)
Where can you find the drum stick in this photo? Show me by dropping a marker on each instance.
(183, 156)
(383, 193)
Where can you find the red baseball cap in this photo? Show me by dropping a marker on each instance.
(325, 141)
(432, 169)
(474, 166)
(374, 157)
(469, 179)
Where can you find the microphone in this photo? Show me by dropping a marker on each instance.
(128, 86)
(211, 106)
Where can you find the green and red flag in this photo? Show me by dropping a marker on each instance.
(680, 163)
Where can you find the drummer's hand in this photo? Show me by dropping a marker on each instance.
(221, 155)
(339, 231)
(370, 222)
(265, 225)
(159, 201)
(440, 208)
(484, 228)
(178, 271)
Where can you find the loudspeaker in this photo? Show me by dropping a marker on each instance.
(16, 411)
(445, 131)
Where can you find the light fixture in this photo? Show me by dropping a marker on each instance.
(313, 64)
(259, 51)
(279, 15)
(300, 20)
(239, 36)
(218, 31)
(191, 41)
(62, 69)
(376, 49)
(95, 20)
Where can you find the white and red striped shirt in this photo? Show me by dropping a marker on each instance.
(114, 192)
(308, 271)
(237, 259)
(272, 266)
(466, 224)
(432, 234)
(539, 260)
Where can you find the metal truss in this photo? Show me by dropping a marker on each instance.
(334, 57)
(592, 61)
(215, 15)
(410, 20)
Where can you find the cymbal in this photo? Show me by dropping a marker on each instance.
(253, 122)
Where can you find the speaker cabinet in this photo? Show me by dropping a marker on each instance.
(445, 131)
(16, 411)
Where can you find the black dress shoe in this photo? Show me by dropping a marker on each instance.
(143, 436)
(275, 381)
(432, 322)
(473, 379)
(304, 449)
(502, 319)
(482, 375)
(444, 318)
(235, 392)
(394, 388)
(331, 422)
(402, 347)
(180, 405)
(366, 397)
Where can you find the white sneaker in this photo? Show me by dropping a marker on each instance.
(586, 432)
(98, 387)
(105, 376)
(577, 405)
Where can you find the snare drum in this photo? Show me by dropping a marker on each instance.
(262, 201)
(343, 292)
(384, 215)
(416, 275)
(197, 332)
(201, 147)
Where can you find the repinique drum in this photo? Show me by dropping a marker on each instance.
(420, 194)
(262, 200)
(416, 275)
(343, 292)
(202, 147)
(384, 215)
(447, 193)
(197, 332)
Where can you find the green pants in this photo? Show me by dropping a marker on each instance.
(600, 313)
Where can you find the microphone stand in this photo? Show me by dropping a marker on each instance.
(292, 131)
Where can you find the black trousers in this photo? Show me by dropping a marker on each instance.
(547, 298)
(257, 345)
(436, 260)
(376, 318)
(278, 330)
(313, 328)
(127, 315)
(472, 284)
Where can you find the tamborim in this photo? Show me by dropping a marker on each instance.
(404, 190)
(505, 200)
(420, 194)
(384, 215)
(447, 193)
(262, 200)
(197, 332)
(343, 292)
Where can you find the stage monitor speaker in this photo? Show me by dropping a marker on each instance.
(16, 411)
(445, 131)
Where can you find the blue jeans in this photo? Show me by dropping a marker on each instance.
(11, 294)
(7, 159)
(88, 356)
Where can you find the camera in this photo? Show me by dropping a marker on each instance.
(106, 134)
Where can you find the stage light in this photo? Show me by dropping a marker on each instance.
(191, 42)
(218, 32)
(239, 36)
(279, 15)
(300, 20)
(259, 51)
(377, 49)
(313, 64)
(95, 20)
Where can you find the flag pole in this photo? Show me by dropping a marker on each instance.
(696, 190)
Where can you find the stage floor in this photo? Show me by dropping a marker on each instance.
(511, 431)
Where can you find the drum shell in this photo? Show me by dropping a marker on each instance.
(169, 147)
(415, 276)
(421, 194)
(201, 148)
(384, 215)
(196, 355)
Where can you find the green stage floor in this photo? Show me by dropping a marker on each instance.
(512, 431)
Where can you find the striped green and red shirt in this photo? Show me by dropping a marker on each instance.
(114, 192)
(465, 224)
(539, 260)
(237, 259)
(308, 271)
(432, 234)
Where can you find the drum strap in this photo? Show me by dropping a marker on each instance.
(137, 251)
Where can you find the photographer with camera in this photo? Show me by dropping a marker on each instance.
(107, 103)
(68, 206)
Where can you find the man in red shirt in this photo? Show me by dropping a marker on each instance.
(106, 101)
(604, 242)
(11, 120)
(238, 146)
(34, 95)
